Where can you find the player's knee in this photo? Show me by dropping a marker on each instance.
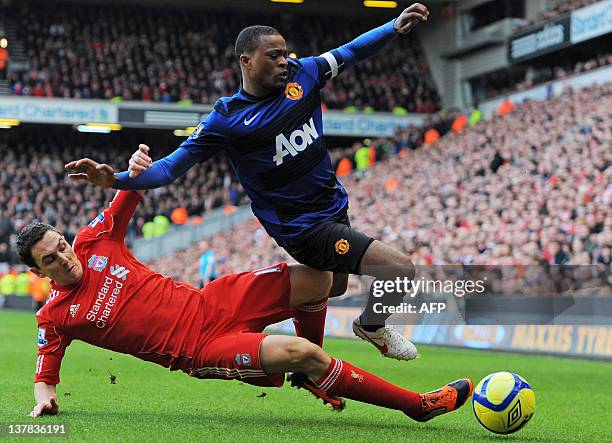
(302, 353)
(339, 285)
(405, 267)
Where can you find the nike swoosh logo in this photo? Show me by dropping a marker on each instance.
(247, 122)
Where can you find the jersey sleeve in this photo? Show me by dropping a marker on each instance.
(114, 220)
(51, 349)
(208, 138)
(331, 63)
(321, 69)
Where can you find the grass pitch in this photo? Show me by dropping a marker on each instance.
(150, 403)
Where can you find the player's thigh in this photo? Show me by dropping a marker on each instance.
(334, 246)
(381, 259)
(308, 285)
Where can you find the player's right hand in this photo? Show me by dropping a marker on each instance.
(140, 161)
(45, 408)
(94, 172)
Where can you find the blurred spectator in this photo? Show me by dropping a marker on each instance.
(505, 107)
(208, 264)
(4, 57)
(345, 167)
(459, 124)
(431, 136)
(176, 55)
(362, 158)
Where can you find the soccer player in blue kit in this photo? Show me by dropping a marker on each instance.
(272, 130)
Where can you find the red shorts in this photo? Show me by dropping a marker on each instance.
(237, 308)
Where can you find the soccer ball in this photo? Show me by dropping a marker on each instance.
(503, 402)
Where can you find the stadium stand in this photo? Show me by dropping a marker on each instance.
(87, 51)
(34, 183)
(527, 188)
(559, 70)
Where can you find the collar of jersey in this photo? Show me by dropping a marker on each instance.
(251, 97)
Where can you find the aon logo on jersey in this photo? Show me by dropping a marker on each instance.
(299, 140)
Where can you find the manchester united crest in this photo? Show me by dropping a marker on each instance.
(294, 91)
(342, 246)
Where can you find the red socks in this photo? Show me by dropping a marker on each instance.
(345, 380)
(309, 321)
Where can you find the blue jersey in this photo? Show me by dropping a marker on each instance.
(275, 144)
(277, 149)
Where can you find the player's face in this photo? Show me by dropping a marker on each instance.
(56, 259)
(269, 63)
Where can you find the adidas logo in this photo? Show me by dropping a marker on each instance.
(74, 309)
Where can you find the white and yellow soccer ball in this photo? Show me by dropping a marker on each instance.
(503, 402)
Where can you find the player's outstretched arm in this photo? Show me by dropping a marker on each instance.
(142, 173)
(372, 42)
(46, 400)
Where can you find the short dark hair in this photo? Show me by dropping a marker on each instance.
(248, 39)
(28, 237)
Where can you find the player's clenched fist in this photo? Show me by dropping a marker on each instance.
(140, 161)
(410, 17)
(45, 407)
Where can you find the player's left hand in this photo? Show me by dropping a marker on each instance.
(410, 17)
(94, 172)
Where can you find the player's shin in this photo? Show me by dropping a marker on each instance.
(345, 380)
(309, 321)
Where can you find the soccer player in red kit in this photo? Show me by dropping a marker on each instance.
(103, 296)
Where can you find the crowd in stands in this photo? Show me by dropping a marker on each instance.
(532, 186)
(182, 55)
(497, 84)
(34, 183)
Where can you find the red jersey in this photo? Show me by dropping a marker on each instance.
(119, 304)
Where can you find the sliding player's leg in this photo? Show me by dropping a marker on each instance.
(280, 354)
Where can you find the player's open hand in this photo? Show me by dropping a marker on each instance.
(410, 17)
(140, 161)
(45, 408)
(94, 172)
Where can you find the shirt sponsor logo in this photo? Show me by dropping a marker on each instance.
(299, 140)
(294, 91)
(74, 309)
(95, 221)
(42, 341)
(119, 272)
(100, 311)
(97, 262)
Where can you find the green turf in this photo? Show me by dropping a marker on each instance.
(149, 403)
